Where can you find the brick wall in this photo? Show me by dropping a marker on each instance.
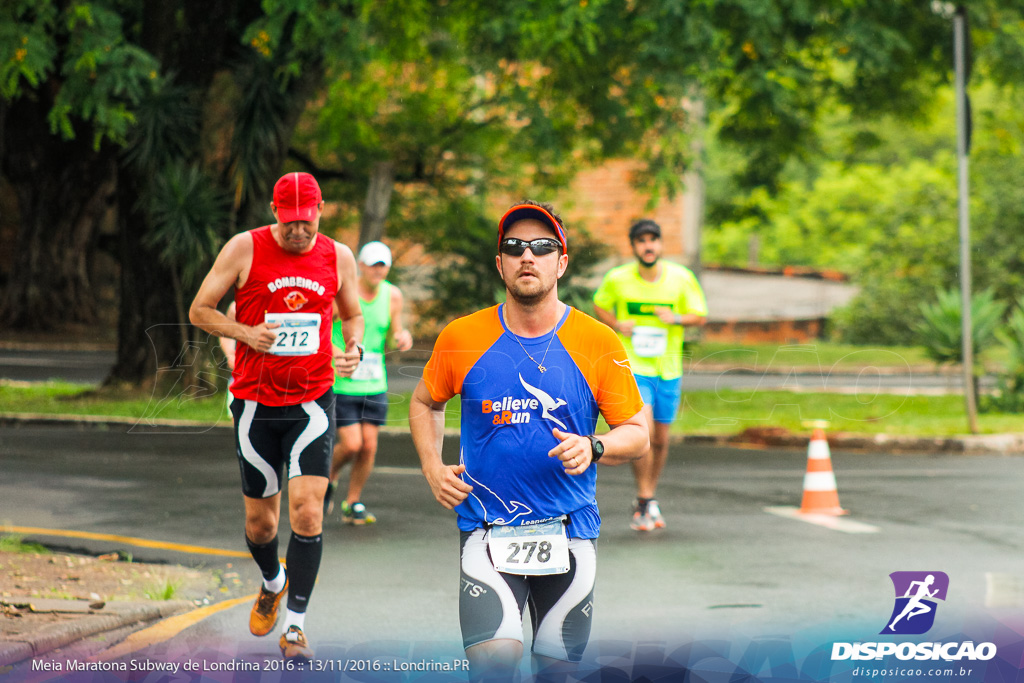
(604, 201)
(764, 332)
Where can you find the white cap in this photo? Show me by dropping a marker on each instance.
(373, 253)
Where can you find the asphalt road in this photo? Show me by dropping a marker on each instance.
(92, 367)
(723, 571)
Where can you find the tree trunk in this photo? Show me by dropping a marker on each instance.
(149, 332)
(63, 189)
(378, 202)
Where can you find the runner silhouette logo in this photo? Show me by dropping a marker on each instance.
(917, 594)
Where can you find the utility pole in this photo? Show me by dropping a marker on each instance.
(963, 200)
(693, 185)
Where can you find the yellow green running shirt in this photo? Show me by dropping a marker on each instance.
(655, 349)
(370, 376)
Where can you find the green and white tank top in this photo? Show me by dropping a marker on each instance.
(370, 376)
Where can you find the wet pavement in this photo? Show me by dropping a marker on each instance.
(723, 569)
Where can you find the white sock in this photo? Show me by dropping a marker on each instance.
(277, 584)
(293, 619)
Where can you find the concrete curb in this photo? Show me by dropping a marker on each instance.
(16, 649)
(982, 444)
(967, 444)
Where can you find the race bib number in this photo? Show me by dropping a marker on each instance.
(649, 342)
(298, 334)
(530, 549)
(370, 368)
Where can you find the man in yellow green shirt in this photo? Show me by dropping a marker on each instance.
(649, 303)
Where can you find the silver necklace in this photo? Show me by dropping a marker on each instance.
(540, 365)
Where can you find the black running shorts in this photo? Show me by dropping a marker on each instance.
(561, 605)
(271, 440)
(370, 409)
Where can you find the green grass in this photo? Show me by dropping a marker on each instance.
(15, 544)
(721, 412)
(75, 399)
(728, 412)
(820, 354)
(163, 591)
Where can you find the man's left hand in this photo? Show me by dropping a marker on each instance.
(575, 451)
(345, 362)
(403, 340)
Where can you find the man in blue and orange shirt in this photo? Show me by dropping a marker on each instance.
(534, 374)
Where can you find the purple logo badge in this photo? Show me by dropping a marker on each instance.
(916, 596)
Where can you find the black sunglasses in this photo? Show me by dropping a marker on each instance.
(538, 247)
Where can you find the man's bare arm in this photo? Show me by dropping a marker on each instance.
(426, 423)
(227, 271)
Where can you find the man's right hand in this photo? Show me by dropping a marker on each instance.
(448, 488)
(261, 337)
(625, 327)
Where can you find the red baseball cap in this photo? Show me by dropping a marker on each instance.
(297, 197)
(523, 211)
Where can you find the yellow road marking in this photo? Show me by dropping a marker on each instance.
(166, 629)
(130, 540)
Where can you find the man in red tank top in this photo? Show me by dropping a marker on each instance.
(286, 277)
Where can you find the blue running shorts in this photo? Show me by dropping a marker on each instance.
(662, 394)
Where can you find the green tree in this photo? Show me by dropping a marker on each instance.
(879, 202)
(522, 93)
(69, 82)
(159, 109)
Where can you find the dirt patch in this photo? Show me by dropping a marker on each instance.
(63, 586)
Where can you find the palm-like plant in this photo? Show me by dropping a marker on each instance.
(1009, 394)
(185, 210)
(940, 330)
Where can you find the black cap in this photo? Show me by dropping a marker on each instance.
(644, 227)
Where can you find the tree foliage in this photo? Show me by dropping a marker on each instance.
(76, 54)
(150, 106)
(879, 202)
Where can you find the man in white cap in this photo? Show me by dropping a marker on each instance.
(361, 400)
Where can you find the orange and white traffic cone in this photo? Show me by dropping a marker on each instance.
(820, 494)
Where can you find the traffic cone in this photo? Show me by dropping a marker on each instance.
(820, 494)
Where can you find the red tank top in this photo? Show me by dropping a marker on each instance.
(295, 285)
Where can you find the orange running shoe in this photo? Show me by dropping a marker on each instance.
(294, 644)
(264, 613)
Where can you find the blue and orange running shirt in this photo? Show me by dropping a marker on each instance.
(509, 409)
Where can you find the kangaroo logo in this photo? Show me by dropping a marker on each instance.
(295, 300)
(916, 595)
(546, 402)
(507, 512)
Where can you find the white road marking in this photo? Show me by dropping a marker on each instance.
(844, 524)
(398, 470)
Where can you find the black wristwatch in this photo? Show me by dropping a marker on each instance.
(596, 447)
